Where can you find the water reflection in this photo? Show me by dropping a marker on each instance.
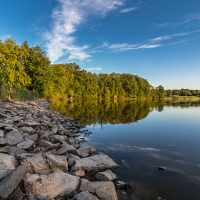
(113, 111)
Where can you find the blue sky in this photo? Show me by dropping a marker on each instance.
(158, 40)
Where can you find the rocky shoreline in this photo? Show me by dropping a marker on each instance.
(40, 158)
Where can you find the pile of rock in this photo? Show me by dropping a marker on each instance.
(40, 158)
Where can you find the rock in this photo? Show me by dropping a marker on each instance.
(50, 186)
(17, 118)
(2, 125)
(79, 173)
(85, 196)
(103, 190)
(15, 151)
(3, 142)
(69, 148)
(7, 165)
(57, 163)
(38, 164)
(13, 138)
(105, 176)
(60, 138)
(33, 137)
(95, 163)
(1, 133)
(8, 185)
(48, 145)
(32, 124)
(121, 185)
(85, 150)
(71, 159)
(4, 149)
(27, 129)
(161, 168)
(27, 144)
(55, 129)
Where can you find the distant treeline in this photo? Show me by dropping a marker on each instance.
(182, 92)
(27, 70)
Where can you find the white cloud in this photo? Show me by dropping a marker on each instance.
(168, 37)
(67, 16)
(126, 47)
(94, 69)
(129, 9)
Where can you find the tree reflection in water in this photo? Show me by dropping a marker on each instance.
(113, 111)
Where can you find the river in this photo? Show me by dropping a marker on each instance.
(141, 136)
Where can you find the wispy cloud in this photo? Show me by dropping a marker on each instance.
(67, 17)
(152, 43)
(168, 37)
(94, 69)
(129, 9)
(127, 47)
(189, 18)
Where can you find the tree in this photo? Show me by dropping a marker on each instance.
(12, 70)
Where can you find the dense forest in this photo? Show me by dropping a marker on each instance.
(27, 70)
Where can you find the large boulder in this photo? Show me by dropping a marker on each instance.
(57, 163)
(38, 163)
(8, 185)
(95, 163)
(103, 190)
(13, 138)
(7, 165)
(50, 186)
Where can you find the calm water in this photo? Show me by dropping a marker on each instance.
(142, 135)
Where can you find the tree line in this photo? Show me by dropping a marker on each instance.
(28, 69)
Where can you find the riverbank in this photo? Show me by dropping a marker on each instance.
(40, 158)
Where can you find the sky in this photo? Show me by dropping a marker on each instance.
(158, 40)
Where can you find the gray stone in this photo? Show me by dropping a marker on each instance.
(7, 165)
(85, 150)
(2, 125)
(96, 162)
(8, 185)
(121, 184)
(60, 138)
(105, 176)
(1, 133)
(32, 124)
(33, 137)
(69, 148)
(3, 142)
(17, 118)
(13, 138)
(27, 129)
(15, 151)
(103, 190)
(85, 196)
(71, 159)
(55, 129)
(50, 186)
(48, 145)
(38, 164)
(27, 144)
(57, 163)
